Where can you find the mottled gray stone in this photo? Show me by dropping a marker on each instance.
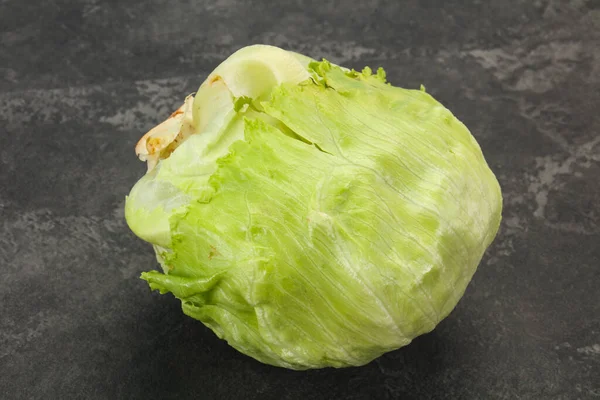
(80, 81)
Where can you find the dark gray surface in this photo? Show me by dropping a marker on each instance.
(80, 81)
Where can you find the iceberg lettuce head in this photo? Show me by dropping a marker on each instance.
(311, 215)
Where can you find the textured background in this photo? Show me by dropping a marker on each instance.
(80, 81)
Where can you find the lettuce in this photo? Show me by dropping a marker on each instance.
(311, 215)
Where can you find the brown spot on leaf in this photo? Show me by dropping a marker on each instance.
(154, 144)
(214, 79)
(177, 112)
(213, 252)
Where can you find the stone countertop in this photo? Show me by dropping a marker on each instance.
(81, 81)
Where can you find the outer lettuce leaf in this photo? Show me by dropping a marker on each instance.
(247, 76)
